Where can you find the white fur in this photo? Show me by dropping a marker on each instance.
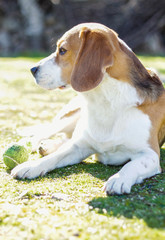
(143, 165)
(109, 110)
(112, 127)
(122, 42)
(111, 122)
(49, 74)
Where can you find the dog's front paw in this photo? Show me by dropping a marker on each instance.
(48, 146)
(117, 184)
(29, 169)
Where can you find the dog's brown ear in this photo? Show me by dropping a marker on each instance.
(94, 56)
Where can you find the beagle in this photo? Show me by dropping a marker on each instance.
(122, 118)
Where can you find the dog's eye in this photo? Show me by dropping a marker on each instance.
(62, 51)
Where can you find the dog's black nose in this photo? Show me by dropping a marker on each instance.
(34, 70)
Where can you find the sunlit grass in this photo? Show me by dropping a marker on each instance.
(155, 62)
(68, 203)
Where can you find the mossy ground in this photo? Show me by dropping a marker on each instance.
(68, 203)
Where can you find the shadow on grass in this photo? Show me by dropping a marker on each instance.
(146, 201)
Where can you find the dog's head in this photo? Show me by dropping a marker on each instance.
(85, 53)
(82, 56)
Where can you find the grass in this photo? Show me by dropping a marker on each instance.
(68, 203)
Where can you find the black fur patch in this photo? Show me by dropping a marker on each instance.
(149, 86)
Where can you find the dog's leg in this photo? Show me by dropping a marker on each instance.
(71, 153)
(143, 166)
(51, 145)
(65, 124)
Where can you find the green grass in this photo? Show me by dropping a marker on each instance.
(154, 62)
(68, 203)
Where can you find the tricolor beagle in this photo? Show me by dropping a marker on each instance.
(123, 112)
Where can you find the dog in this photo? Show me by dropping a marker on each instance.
(122, 117)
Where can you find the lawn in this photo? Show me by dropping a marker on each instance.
(68, 203)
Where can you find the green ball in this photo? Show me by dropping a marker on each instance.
(15, 155)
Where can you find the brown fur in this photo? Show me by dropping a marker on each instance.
(149, 87)
(71, 113)
(94, 56)
(156, 112)
(93, 51)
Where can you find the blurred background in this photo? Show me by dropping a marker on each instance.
(35, 25)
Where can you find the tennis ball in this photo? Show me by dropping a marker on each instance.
(15, 155)
(25, 142)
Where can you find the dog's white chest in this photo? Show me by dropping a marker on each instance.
(116, 128)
